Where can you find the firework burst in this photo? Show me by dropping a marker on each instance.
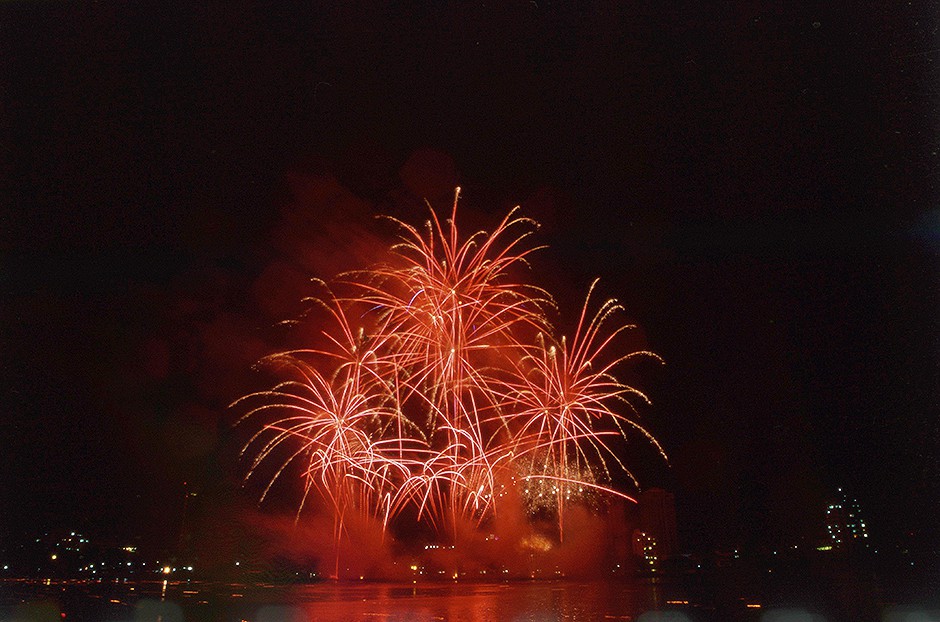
(443, 381)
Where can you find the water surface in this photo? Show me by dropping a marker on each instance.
(524, 601)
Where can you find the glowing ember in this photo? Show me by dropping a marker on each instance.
(443, 387)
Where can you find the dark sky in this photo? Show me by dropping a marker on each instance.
(756, 182)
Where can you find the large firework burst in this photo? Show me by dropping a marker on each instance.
(441, 382)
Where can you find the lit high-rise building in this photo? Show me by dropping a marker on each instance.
(657, 509)
(645, 549)
(844, 522)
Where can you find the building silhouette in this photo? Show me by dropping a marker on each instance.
(657, 521)
(844, 523)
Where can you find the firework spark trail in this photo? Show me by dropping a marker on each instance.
(441, 379)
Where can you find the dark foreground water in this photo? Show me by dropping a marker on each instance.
(536, 601)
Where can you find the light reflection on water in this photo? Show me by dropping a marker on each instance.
(525, 602)
(539, 601)
(708, 598)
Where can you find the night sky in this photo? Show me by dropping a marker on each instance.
(755, 181)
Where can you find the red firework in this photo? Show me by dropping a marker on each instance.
(450, 384)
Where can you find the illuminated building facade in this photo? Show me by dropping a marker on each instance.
(645, 550)
(844, 523)
(657, 520)
(654, 538)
